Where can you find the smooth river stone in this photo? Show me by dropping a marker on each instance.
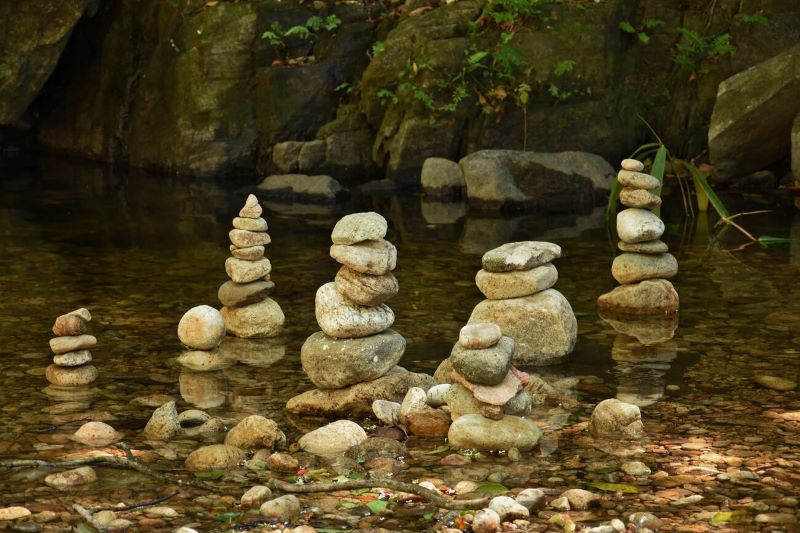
(251, 209)
(241, 271)
(244, 239)
(638, 225)
(333, 439)
(640, 198)
(61, 345)
(239, 294)
(487, 366)
(460, 401)
(630, 268)
(648, 297)
(499, 394)
(214, 457)
(615, 419)
(251, 253)
(262, 319)
(517, 283)
(78, 358)
(250, 224)
(368, 257)
(477, 336)
(644, 247)
(543, 325)
(633, 165)
(637, 180)
(343, 319)
(201, 328)
(474, 432)
(523, 255)
(68, 325)
(332, 363)
(70, 376)
(359, 227)
(366, 289)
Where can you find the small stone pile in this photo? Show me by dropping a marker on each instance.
(516, 279)
(353, 359)
(72, 361)
(644, 267)
(247, 308)
(487, 399)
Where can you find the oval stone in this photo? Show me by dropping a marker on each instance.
(359, 227)
(515, 284)
(368, 257)
(644, 247)
(251, 253)
(335, 438)
(638, 225)
(201, 327)
(487, 366)
(366, 289)
(639, 198)
(648, 297)
(479, 335)
(81, 357)
(632, 165)
(261, 319)
(240, 294)
(475, 432)
(74, 343)
(71, 478)
(332, 363)
(215, 457)
(70, 376)
(637, 180)
(241, 271)
(69, 324)
(244, 239)
(630, 268)
(250, 224)
(340, 318)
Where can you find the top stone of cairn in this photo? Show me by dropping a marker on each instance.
(359, 227)
(251, 209)
(633, 165)
(524, 255)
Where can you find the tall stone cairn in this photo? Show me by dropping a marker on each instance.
(517, 280)
(352, 361)
(72, 361)
(645, 266)
(247, 308)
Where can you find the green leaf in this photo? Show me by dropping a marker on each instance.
(627, 27)
(644, 37)
(614, 487)
(427, 516)
(209, 475)
(440, 449)
(737, 516)
(701, 183)
(227, 518)
(659, 163)
(766, 240)
(491, 488)
(347, 505)
(477, 57)
(376, 506)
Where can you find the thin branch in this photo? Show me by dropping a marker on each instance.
(142, 505)
(731, 217)
(649, 127)
(433, 497)
(87, 515)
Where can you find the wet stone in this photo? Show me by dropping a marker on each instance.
(214, 457)
(245, 239)
(69, 325)
(71, 478)
(487, 366)
(637, 180)
(479, 335)
(241, 294)
(775, 382)
(71, 376)
(523, 255)
(78, 358)
(61, 345)
(251, 253)
(241, 271)
(201, 327)
(630, 267)
(250, 224)
(334, 438)
(515, 284)
(639, 198)
(369, 257)
(359, 227)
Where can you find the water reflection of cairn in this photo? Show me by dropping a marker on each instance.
(353, 359)
(72, 361)
(247, 308)
(640, 368)
(644, 267)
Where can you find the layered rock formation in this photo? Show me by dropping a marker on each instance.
(72, 361)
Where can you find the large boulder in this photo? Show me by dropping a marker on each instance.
(752, 119)
(563, 181)
(34, 34)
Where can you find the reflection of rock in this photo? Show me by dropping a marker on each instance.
(260, 352)
(794, 235)
(302, 209)
(69, 394)
(436, 212)
(647, 330)
(595, 219)
(203, 389)
(481, 234)
(640, 369)
(628, 350)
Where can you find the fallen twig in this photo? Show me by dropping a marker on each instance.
(142, 505)
(87, 515)
(433, 497)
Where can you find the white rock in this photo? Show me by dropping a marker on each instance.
(479, 335)
(632, 165)
(96, 434)
(532, 499)
(414, 400)
(283, 508)
(638, 225)
(202, 328)
(435, 395)
(338, 317)
(336, 437)
(387, 412)
(14, 512)
(359, 227)
(508, 509)
(486, 521)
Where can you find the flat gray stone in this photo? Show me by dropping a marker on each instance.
(332, 363)
(637, 180)
(359, 227)
(368, 257)
(486, 366)
(523, 255)
(72, 343)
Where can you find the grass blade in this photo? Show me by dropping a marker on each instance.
(659, 163)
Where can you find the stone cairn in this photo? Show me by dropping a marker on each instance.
(72, 361)
(487, 399)
(517, 280)
(247, 308)
(644, 267)
(353, 359)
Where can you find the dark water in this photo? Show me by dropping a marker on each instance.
(139, 250)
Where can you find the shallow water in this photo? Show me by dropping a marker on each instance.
(139, 250)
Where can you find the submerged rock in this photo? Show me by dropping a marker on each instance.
(775, 383)
(262, 319)
(334, 438)
(71, 478)
(96, 434)
(163, 424)
(479, 433)
(256, 431)
(215, 457)
(615, 419)
(283, 508)
(648, 297)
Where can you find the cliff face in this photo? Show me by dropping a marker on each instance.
(192, 87)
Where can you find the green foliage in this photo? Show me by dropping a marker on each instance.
(562, 67)
(377, 48)
(693, 49)
(756, 18)
(277, 35)
(641, 31)
(509, 13)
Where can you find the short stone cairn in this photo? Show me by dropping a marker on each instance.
(517, 280)
(247, 308)
(72, 361)
(487, 399)
(353, 359)
(645, 266)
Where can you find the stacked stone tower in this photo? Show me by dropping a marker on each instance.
(72, 361)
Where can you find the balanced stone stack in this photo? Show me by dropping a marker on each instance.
(72, 361)
(516, 279)
(644, 267)
(247, 308)
(487, 399)
(353, 359)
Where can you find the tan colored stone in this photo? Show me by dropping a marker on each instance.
(71, 376)
(516, 284)
(633, 165)
(251, 253)
(340, 318)
(639, 198)
(262, 319)
(241, 271)
(366, 289)
(648, 297)
(250, 224)
(368, 257)
(68, 325)
(244, 239)
(251, 208)
(630, 267)
(637, 180)
(74, 343)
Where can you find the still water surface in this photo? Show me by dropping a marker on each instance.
(139, 250)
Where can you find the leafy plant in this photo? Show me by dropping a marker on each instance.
(377, 48)
(510, 14)
(277, 36)
(693, 49)
(756, 18)
(641, 31)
